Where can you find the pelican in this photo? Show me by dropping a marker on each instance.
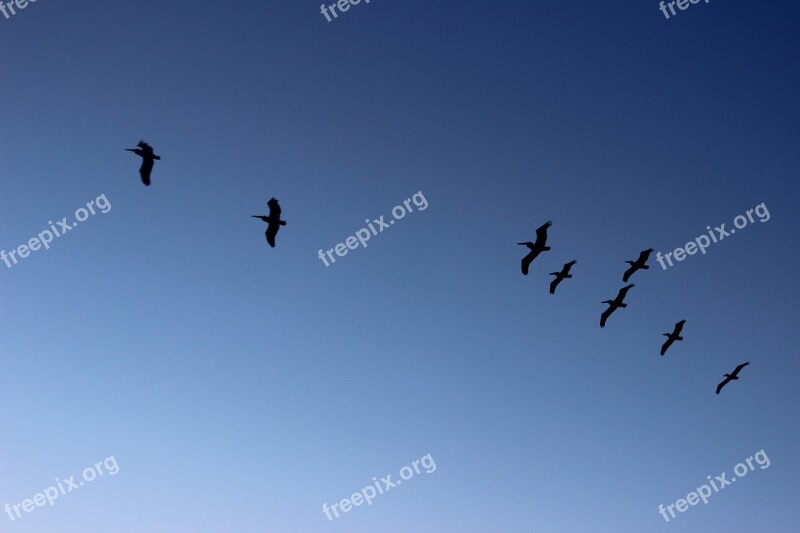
(614, 304)
(672, 337)
(731, 377)
(639, 264)
(535, 247)
(273, 221)
(560, 276)
(145, 151)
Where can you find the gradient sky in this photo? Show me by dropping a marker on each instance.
(241, 387)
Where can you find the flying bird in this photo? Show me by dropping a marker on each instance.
(731, 377)
(672, 337)
(639, 264)
(560, 276)
(614, 304)
(273, 221)
(145, 151)
(535, 247)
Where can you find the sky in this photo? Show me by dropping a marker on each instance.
(223, 385)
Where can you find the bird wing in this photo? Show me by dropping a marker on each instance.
(145, 170)
(554, 284)
(527, 260)
(272, 231)
(666, 346)
(679, 327)
(623, 291)
(722, 384)
(605, 315)
(628, 273)
(643, 255)
(541, 233)
(738, 368)
(274, 209)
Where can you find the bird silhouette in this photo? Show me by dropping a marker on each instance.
(639, 264)
(560, 276)
(145, 151)
(273, 220)
(614, 304)
(731, 377)
(535, 247)
(672, 337)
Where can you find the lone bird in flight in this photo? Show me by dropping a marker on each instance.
(614, 304)
(672, 337)
(639, 264)
(731, 377)
(145, 151)
(273, 221)
(535, 247)
(560, 276)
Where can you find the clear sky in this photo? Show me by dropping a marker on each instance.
(240, 387)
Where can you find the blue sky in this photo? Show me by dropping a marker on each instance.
(241, 387)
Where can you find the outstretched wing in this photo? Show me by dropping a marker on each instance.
(629, 273)
(738, 368)
(541, 233)
(624, 291)
(666, 346)
(554, 284)
(678, 328)
(605, 315)
(722, 384)
(145, 170)
(527, 260)
(272, 231)
(274, 209)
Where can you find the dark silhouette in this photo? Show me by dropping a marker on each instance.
(145, 151)
(672, 337)
(731, 377)
(560, 276)
(639, 264)
(614, 304)
(535, 247)
(273, 221)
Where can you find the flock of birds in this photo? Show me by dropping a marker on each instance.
(274, 222)
(540, 245)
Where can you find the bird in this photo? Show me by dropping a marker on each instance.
(639, 264)
(273, 221)
(145, 151)
(564, 274)
(672, 337)
(731, 377)
(535, 247)
(614, 304)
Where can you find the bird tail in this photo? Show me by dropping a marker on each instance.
(629, 262)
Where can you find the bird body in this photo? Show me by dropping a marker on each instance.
(614, 304)
(560, 276)
(731, 377)
(535, 247)
(672, 337)
(145, 151)
(639, 264)
(273, 221)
